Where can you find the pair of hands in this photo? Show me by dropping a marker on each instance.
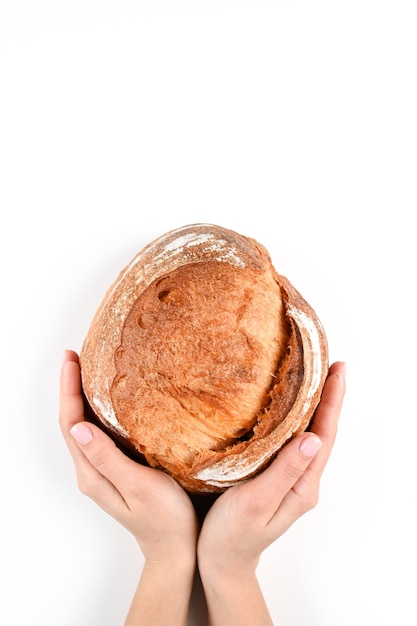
(161, 515)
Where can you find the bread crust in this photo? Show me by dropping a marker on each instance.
(112, 349)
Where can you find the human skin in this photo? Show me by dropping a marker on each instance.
(149, 503)
(162, 518)
(246, 519)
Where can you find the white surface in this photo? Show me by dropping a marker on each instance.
(293, 122)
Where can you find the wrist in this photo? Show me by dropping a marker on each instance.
(173, 566)
(226, 576)
(169, 553)
(163, 593)
(224, 568)
(234, 598)
(225, 579)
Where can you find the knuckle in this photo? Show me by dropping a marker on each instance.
(308, 499)
(100, 458)
(311, 501)
(85, 484)
(293, 471)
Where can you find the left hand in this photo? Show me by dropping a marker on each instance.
(148, 502)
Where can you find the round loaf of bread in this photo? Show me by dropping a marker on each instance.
(203, 359)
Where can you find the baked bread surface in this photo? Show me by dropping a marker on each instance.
(203, 358)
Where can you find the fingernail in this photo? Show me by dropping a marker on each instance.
(82, 433)
(65, 356)
(310, 446)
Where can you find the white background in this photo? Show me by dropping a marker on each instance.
(292, 122)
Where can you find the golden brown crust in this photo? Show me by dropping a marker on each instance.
(204, 358)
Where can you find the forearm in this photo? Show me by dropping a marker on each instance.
(235, 601)
(163, 594)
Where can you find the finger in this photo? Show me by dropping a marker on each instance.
(103, 472)
(294, 475)
(264, 493)
(129, 478)
(71, 407)
(303, 495)
(91, 480)
(326, 417)
(71, 412)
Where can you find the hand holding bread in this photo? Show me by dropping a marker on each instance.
(242, 522)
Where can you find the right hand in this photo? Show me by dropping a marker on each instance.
(247, 518)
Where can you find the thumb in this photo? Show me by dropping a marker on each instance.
(268, 489)
(105, 457)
